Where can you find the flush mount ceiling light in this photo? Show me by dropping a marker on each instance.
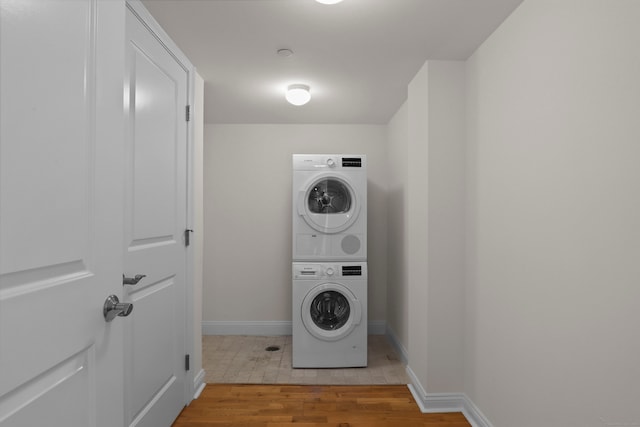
(328, 1)
(298, 94)
(285, 53)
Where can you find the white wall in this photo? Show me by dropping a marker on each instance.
(398, 232)
(553, 335)
(435, 223)
(417, 224)
(446, 220)
(248, 216)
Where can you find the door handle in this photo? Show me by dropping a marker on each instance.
(132, 280)
(113, 307)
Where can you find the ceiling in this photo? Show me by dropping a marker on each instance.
(357, 56)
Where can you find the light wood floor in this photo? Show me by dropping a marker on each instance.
(310, 406)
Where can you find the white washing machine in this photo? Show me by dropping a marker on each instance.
(329, 207)
(329, 315)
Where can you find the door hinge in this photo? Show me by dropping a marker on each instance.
(187, 237)
(186, 362)
(188, 112)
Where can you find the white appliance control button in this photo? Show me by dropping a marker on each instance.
(330, 271)
(331, 163)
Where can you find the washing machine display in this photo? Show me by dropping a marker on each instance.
(329, 207)
(329, 315)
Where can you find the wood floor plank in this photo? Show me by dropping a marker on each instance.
(225, 405)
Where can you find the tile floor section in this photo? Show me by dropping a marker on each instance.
(244, 360)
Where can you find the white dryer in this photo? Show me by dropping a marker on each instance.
(329, 315)
(329, 207)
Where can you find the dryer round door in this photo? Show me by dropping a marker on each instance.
(330, 311)
(329, 204)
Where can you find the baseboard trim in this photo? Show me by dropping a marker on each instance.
(198, 383)
(377, 327)
(397, 345)
(446, 402)
(474, 415)
(268, 328)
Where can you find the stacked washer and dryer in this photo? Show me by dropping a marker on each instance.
(329, 261)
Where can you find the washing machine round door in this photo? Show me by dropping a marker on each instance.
(330, 311)
(329, 204)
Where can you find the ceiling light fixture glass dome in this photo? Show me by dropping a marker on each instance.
(298, 94)
(328, 1)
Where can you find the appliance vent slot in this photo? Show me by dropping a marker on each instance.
(351, 162)
(352, 270)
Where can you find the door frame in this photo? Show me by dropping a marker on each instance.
(194, 380)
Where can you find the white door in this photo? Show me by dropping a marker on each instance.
(155, 222)
(61, 195)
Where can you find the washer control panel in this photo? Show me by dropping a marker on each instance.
(319, 162)
(327, 271)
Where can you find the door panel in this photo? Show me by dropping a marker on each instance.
(155, 221)
(155, 359)
(63, 386)
(45, 148)
(154, 151)
(61, 195)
